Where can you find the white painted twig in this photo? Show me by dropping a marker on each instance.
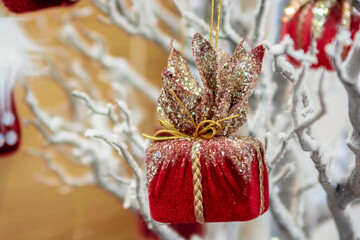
(118, 66)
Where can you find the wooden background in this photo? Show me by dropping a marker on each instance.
(34, 203)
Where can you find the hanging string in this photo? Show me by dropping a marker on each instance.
(212, 23)
(218, 25)
(212, 20)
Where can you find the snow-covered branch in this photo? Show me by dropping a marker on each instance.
(303, 127)
(117, 65)
(349, 75)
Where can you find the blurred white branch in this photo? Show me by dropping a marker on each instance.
(118, 66)
(303, 122)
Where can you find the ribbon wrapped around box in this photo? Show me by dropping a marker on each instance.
(196, 170)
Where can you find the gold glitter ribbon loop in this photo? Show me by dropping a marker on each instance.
(206, 129)
(201, 131)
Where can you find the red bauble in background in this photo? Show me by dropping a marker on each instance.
(9, 128)
(320, 19)
(23, 6)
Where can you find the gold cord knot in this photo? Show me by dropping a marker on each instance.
(209, 131)
(206, 129)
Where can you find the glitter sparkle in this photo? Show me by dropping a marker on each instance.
(228, 82)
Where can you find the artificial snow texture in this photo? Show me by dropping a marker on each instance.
(16, 56)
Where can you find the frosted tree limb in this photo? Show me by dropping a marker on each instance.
(280, 63)
(259, 21)
(130, 130)
(126, 127)
(349, 74)
(301, 190)
(66, 177)
(106, 111)
(121, 148)
(167, 17)
(283, 173)
(306, 138)
(281, 149)
(54, 73)
(320, 159)
(95, 154)
(192, 18)
(356, 4)
(61, 172)
(145, 24)
(198, 23)
(52, 124)
(119, 66)
(284, 219)
(227, 27)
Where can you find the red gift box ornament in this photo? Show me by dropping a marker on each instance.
(24, 6)
(198, 171)
(320, 19)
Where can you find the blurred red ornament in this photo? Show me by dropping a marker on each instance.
(320, 19)
(23, 6)
(185, 230)
(9, 128)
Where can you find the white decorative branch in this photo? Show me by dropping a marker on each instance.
(259, 21)
(303, 129)
(118, 66)
(349, 75)
(284, 220)
(106, 111)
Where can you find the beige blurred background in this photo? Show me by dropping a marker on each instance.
(34, 203)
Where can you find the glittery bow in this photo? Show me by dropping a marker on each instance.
(227, 84)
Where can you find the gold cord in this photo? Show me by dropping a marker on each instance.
(261, 176)
(197, 179)
(218, 25)
(183, 107)
(212, 23)
(212, 20)
(261, 184)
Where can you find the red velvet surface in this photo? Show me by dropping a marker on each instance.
(186, 230)
(302, 39)
(23, 6)
(8, 149)
(227, 196)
